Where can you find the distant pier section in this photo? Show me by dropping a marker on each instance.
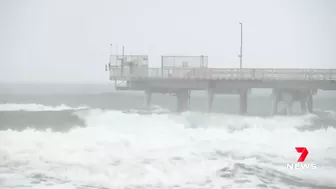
(179, 75)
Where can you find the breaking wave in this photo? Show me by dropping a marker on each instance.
(192, 150)
(37, 107)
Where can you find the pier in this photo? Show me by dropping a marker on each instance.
(180, 75)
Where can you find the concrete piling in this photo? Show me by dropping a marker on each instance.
(288, 100)
(243, 102)
(210, 99)
(275, 103)
(286, 96)
(148, 99)
(289, 96)
(310, 103)
(182, 100)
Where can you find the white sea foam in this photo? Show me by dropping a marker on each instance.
(37, 107)
(118, 150)
(155, 109)
(331, 113)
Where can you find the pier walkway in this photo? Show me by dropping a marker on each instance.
(179, 75)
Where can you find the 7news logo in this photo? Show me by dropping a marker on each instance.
(301, 165)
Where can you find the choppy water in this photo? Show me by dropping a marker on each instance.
(86, 141)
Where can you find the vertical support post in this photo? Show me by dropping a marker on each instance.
(110, 66)
(276, 99)
(182, 100)
(241, 51)
(148, 99)
(210, 99)
(243, 102)
(288, 99)
(131, 69)
(185, 100)
(122, 62)
(241, 46)
(178, 102)
(161, 66)
(111, 50)
(310, 102)
(303, 102)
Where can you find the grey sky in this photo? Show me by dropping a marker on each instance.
(68, 41)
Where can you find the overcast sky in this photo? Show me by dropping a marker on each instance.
(68, 40)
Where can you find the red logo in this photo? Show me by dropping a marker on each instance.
(304, 152)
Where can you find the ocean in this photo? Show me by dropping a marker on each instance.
(79, 137)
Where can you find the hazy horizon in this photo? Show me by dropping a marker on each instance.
(69, 41)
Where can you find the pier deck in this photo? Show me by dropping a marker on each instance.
(218, 78)
(177, 75)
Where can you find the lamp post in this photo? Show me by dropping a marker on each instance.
(241, 46)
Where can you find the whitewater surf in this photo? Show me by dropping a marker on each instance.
(104, 148)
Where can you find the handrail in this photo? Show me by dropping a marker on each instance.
(228, 73)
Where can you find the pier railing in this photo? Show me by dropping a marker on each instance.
(227, 73)
(184, 61)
